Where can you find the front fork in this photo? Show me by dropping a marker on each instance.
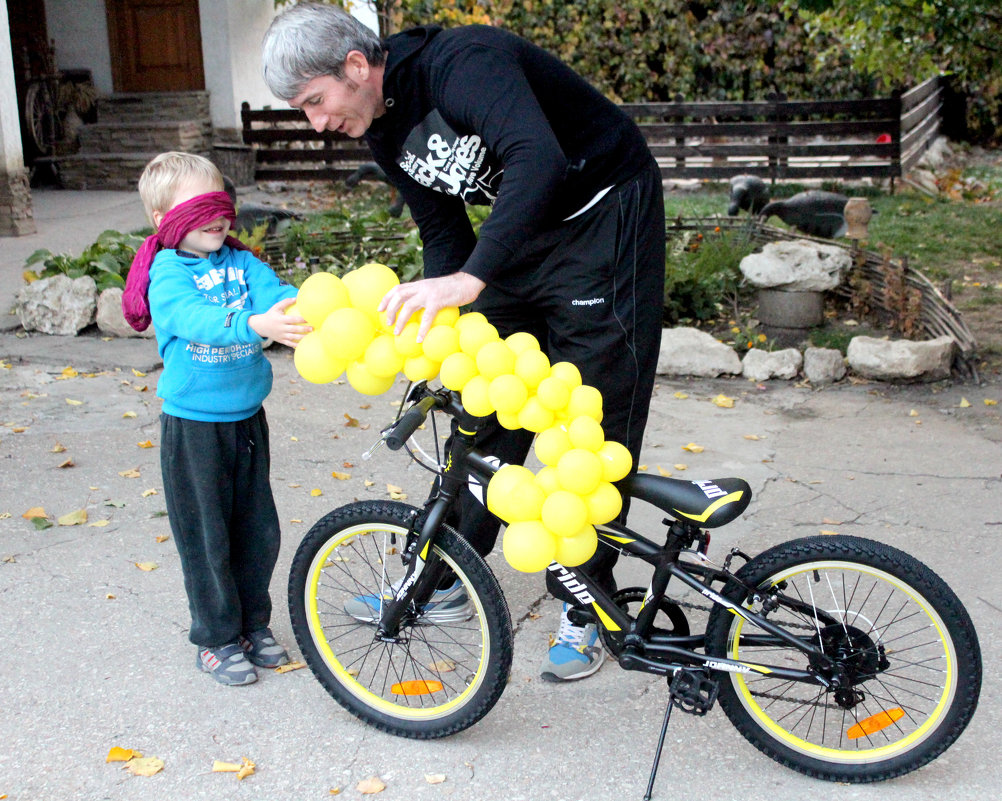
(423, 575)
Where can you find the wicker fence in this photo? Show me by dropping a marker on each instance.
(776, 139)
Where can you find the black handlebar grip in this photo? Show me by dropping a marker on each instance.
(409, 423)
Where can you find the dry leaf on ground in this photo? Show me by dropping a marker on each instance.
(290, 666)
(34, 511)
(692, 447)
(723, 402)
(370, 786)
(434, 778)
(117, 754)
(144, 766)
(73, 518)
(341, 476)
(147, 567)
(316, 493)
(130, 473)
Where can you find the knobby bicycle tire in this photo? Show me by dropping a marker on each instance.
(898, 629)
(442, 674)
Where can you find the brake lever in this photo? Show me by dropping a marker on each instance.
(376, 446)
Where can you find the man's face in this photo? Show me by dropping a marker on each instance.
(339, 104)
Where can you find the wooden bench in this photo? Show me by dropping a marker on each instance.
(776, 139)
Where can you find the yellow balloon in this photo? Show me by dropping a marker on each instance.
(579, 471)
(346, 333)
(368, 284)
(473, 336)
(551, 444)
(494, 359)
(585, 400)
(447, 316)
(547, 480)
(406, 341)
(476, 397)
(381, 357)
(534, 416)
(586, 433)
(456, 370)
(508, 394)
(501, 488)
(509, 421)
(616, 461)
(528, 546)
(421, 368)
(469, 318)
(604, 504)
(553, 393)
(292, 311)
(564, 513)
(532, 366)
(313, 362)
(440, 342)
(526, 501)
(365, 382)
(522, 341)
(568, 373)
(320, 294)
(576, 550)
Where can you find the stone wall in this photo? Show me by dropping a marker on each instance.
(16, 216)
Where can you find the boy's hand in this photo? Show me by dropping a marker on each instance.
(277, 325)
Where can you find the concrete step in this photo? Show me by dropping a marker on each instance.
(153, 106)
(124, 137)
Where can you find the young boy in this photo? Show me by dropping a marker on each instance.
(213, 304)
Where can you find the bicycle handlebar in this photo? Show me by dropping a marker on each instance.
(409, 422)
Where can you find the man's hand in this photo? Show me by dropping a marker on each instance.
(430, 294)
(277, 325)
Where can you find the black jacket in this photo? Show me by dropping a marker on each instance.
(478, 115)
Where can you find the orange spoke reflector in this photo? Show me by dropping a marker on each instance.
(418, 687)
(875, 723)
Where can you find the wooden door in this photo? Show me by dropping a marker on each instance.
(156, 45)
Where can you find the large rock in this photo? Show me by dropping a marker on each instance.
(110, 318)
(759, 365)
(58, 305)
(689, 351)
(824, 365)
(900, 359)
(796, 266)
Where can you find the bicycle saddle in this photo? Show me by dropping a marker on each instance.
(709, 503)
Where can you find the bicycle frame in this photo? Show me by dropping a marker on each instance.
(634, 636)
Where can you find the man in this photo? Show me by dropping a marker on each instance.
(573, 251)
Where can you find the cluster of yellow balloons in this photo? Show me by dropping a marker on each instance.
(551, 515)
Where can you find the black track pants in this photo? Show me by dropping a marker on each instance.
(592, 291)
(222, 514)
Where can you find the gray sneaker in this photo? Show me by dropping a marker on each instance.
(228, 664)
(262, 649)
(451, 605)
(576, 651)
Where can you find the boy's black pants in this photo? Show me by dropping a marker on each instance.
(592, 292)
(223, 518)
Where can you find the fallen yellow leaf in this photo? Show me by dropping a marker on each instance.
(131, 473)
(642, 468)
(341, 476)
(73, 518)
(391, 488)
(144, 766)
(147, 444)
(352, 422)
(434, 778)
(828, 533)
(681, 466)
(723, 402)
(129, 414)
(369, 483)
(290, 666)
(680, 395)
(753, 437)
(98, 524)
(137, 373)
(991, 402)
(964, 403)
(162, 537)
(34, 511)
(316, 493)
(117, 754)
(67, 463)
(913, 413)
(692, 447)
(146, 567)
(73, 402)
(664, 472)
(58, 448)
(149, 492)
(370, 786)
(69, 372)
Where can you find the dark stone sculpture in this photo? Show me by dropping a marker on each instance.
(748, 193)
(814, 213)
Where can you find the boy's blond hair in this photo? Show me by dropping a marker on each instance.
(163, 175)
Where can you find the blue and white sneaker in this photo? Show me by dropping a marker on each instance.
(451, 605)
(575, 653)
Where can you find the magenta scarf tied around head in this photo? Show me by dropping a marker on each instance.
(175, 226)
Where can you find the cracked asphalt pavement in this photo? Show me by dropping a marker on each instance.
(95, 651)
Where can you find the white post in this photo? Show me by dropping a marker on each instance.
(15, 193)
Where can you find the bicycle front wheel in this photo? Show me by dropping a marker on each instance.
(450, 662)
(902, 648)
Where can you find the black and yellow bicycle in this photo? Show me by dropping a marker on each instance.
(839, 657)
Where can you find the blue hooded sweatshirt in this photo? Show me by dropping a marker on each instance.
(214, 368)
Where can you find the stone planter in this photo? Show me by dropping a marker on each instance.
(787, 316)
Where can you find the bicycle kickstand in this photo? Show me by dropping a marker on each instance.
(694, 692)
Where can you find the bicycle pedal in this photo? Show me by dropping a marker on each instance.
(693, 691)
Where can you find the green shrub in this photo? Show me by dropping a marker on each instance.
(702, 273)
(107, 261)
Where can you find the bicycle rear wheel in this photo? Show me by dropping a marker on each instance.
(444, 672)
(903, 643)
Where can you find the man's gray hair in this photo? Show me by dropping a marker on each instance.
(313, 39)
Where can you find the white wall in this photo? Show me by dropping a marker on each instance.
(80, 30)
(11, 161)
